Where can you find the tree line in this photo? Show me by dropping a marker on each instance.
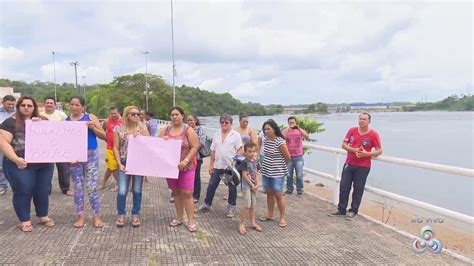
(451, 103)
(130, 90)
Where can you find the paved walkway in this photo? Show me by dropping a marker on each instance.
(310, 238)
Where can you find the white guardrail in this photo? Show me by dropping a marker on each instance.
(398, 161)
(336, 178)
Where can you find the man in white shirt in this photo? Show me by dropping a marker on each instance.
(6, 111)
(226, 143)
(53, 114)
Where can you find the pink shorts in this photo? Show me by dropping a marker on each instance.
(185, 180)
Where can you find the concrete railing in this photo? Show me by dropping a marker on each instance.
(336, 178)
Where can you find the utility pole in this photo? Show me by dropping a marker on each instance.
(75, 64)
(146, 79)
(54, 73)
(172, 54)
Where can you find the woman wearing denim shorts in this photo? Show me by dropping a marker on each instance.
(274, 170)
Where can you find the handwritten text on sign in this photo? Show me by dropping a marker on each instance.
(53, 141)
(151, 156)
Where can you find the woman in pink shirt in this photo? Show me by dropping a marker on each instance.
(294, 141)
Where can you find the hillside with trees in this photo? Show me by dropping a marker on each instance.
(451, 103)
(129, 90)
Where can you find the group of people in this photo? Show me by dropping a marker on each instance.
(274, 154)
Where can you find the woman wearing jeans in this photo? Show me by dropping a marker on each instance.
(294, 141)
(132, 126)
(28, 181)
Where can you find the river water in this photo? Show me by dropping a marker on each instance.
(436, 137)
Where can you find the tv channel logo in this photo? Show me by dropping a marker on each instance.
(427, 242)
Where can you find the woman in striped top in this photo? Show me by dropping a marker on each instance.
(274, 170)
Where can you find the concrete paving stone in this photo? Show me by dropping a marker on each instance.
(311, 237)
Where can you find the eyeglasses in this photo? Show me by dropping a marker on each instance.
(26, 105)
(225, 122)
(134, 114)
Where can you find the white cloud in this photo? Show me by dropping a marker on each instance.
(10, 55)
(270, 52)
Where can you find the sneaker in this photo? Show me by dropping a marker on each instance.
(350, 216)
(288, 192)
(203, 208)
(337, 213)
(299, 193)
(231, 213)
(3, 190)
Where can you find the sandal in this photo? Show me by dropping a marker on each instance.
(282, 224)
(136, 222)
(98, 223)
(80, 222)
(192, 228)
(242, 229)
(266, 219)
(175, 223)
(48, 223)
(26, 228)
(120, 222)
(256, 227)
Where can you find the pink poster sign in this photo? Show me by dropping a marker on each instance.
(152, 156)
(54, 141)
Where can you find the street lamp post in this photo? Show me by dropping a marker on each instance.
(146, 79)
(54, 74)
(172, 54)
(75, 64)
(84, 85)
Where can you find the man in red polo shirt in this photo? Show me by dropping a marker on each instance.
(361, 143)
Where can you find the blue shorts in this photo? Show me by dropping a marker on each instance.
(275, 184)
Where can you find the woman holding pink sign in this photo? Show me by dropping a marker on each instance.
(85, 175)
(28, 181)
(183, 186)
(132, 126)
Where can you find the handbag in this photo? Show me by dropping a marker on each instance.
(205, 149)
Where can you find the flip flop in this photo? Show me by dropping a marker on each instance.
(192, 228)
(77, 224)
(26, 228)
(136, 222)
(98, 224)
(282, 225)
(47, 223)
(242, 230)
(175, 223)
(257, 228)
(266, 219)
(120, 222)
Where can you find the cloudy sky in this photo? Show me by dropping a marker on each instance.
(261, 51)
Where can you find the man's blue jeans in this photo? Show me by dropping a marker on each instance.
(33, 182)
(295, 165)
(212, 187)
(123, 182)
(3, 179)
